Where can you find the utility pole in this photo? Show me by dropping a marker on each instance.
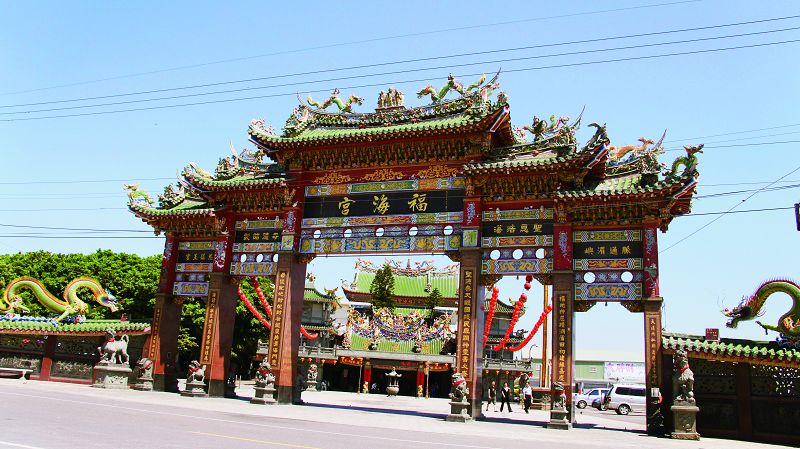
(797, 215)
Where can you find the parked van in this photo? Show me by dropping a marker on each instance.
(624, 398)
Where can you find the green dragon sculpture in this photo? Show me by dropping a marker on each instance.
(689, 161)
(137, 197)
(751, 307)
(452, 84)
(344, 106)
(70, 305)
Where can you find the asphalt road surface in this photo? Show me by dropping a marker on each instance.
(38, 419)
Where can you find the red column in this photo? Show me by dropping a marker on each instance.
(50, 343)
(420, 382)
(652, 326)
(563, 340)
(215, 348)
(469, 353)
(284, 339)
(162, 345)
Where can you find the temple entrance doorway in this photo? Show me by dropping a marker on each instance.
(609, 350)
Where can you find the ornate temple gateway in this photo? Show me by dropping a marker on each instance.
(451, 177)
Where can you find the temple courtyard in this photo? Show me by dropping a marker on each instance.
(46, 413)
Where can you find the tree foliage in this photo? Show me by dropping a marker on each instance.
(434, 299)
(133, 280)
(382, 288)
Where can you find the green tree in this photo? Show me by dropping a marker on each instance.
(382, 288)
(434, 300)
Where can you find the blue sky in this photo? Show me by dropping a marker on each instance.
(48, 44)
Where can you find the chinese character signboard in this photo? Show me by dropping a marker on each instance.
(383, 217)
(517, 241)
(255, 245)
(608, 265)
(194, 261)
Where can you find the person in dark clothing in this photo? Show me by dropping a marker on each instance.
(505, 396)
(492, 397)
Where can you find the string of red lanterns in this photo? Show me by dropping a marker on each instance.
(515, 315)
(264, 303)
(253, 310)
(539, 323)
(490, 314)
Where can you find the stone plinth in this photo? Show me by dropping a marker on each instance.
(264, 395)
(459, 412)
(684, 415)
(143, 383)
(195, 390)
(111, 375)
(311, 385)
(541, 398)
(559, 419)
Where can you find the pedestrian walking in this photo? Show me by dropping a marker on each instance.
(492, 397)
(505, 397)
(527, 393)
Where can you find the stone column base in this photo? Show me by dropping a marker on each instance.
(311, 385)
(195, 390)
(559, 420)
(264, 396)
(144, 383)
(684, 415)
(458, 412)
(111, 375)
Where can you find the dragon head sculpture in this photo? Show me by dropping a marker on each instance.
(108, 300)
(741, 312)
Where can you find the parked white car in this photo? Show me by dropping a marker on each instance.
(624, 398)
(581, 400)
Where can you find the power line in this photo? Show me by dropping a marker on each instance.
(741, 145)
(408, 61)
(734, 132)
(320, 47)
(728, 211)
(82, 181)
(46, 236)
(395, 72)
(5, 225)
(528, 69)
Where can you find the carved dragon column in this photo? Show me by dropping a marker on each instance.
(563, 340)
(217, 342)
(162, 345)
(652, 327)
(469, 354)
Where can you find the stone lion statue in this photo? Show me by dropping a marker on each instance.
(683, 379)
(197, 372)
(458, 389)
(312, 372)
(113, 350)
(559, 397)
(144, 367)
(264, 376)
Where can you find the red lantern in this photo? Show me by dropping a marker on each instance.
(527, 286)
(529, 278)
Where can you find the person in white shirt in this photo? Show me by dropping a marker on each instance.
(527, 393)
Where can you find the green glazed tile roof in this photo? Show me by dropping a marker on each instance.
(759, 351)
(96, 327)
(311, 294)
(236, 181)
(409, 286)
(186, 208)
(330, 133)
(621, 185)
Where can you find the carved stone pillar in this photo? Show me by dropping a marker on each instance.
(652, 364)
(469, 355)
(163, 347)
(284, 339)
(215, 348)
(563, 342)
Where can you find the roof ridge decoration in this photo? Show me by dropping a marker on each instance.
(419, 269)
(136, 197)
(474, 101)
(689, 163)
(344, 106)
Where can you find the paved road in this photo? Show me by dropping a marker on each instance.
(44, 415)
(635, 420)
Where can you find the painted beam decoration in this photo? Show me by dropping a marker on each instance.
(608, 265)
(255, 245)
(517, 241)
(397, 216)
(195, 260)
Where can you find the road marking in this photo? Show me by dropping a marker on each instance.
(230, 437)
(24, 446)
